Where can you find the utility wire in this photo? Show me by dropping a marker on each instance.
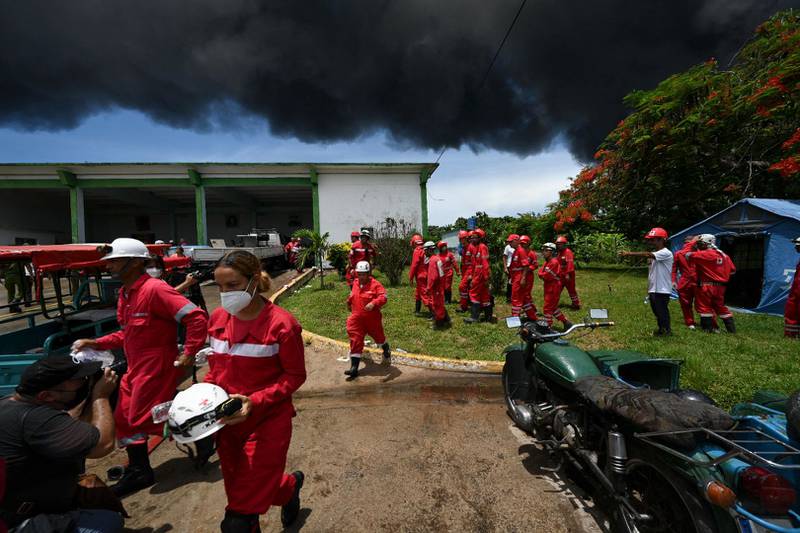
(494, 59)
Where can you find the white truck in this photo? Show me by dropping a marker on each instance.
(263, 243)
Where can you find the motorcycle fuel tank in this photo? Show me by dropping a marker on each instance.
(564, 363)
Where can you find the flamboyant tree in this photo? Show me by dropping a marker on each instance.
(699, 141)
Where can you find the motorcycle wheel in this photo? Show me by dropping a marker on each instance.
(517, 389)
(656, 491)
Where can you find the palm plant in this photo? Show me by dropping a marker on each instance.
(314, 246)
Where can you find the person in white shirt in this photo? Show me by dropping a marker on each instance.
(511, 245)
(659, 278)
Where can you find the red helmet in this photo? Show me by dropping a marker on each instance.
(441, 244)
(463, 234)
(656, 233)
(480, 233)
(561, 240)
(512, 237)
(355, 233)
(416, 239)
(525, 239)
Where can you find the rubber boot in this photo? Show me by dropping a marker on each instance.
(138, 475)
(475, 312)
(567, 324)
(239, 523)
(729, 324)
(353, 370)
(488, 314)
(448, 295)
(417, 308)
(290, 511)
(387, 353)
(707, 323)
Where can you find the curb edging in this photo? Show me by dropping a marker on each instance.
(375, 355)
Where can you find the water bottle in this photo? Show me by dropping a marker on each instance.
(88, 355)
(160, 412)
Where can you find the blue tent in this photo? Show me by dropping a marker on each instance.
(757, 234)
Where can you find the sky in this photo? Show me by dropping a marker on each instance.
(466, 182)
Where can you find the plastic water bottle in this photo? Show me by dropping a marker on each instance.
(88, 355)
(160, 412)
(201, 357)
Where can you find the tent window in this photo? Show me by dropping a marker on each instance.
(747, 253)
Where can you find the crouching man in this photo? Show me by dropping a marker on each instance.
(45, 446)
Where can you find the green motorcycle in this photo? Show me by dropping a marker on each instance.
(588, 408)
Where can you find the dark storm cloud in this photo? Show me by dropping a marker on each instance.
(331, 70)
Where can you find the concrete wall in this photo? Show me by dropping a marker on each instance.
(103, 225)
(350, 201)
(279, 217)
(34, 214)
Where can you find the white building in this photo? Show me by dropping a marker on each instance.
(96, 202)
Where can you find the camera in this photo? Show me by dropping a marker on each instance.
(203, 274)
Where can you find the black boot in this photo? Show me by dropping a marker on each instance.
(488, 314)
(707, 324)
(567, 324)
(205, 450)
(138, 475)
(475, 313)
(448, 295)
(417, 307)
(729, 324)
(387, 353)
(353, 370)
(239, 523)
(290, 511)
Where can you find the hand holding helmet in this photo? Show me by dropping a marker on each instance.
(202, 410)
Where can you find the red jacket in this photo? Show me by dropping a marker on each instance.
(480, 261)
(684, 267)
(794, 291)
(449, 263)
(261, 358)
(466, 261)
(359, 252)
(550, 271)
(419, 264)
(519, 266)
(149, 313)
(711, 265)
(373, 292)
(566, 261)
(435, 273)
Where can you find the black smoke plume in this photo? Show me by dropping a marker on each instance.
(331, 70)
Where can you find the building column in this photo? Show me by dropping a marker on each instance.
(424, 176)
(173, 225)
(201, 220)
(315, 198)
(77, 215)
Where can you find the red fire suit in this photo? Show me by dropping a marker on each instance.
(449, 264)
(149, 313)
(528, 275)
(685, 278)
(436, 280)
(714, 269)
(419, 273)
(362, 322)
(516, 271)
(466, 273)
(479, 287)
(567, 268)
(791, 313)
(262, 359)
(359, 252)
(549, 274)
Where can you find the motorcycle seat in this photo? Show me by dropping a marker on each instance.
(649, 410)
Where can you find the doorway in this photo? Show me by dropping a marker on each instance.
(747, 252)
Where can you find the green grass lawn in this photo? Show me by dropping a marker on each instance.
(728, 367)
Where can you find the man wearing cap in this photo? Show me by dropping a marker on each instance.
(45, 445)
(659, 278)
(566, 261)
(450, 266)
(466, 271)
(791, 313)
(714, 269)
(366, 299)
(418, 275)
(149, 312)
(436, 277)
(512, 243)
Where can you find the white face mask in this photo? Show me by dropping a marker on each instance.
(235, 301)
(154, 272)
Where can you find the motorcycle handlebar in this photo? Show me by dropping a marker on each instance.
(572, 328)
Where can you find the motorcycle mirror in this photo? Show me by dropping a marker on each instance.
(598, 314)
(513, 322)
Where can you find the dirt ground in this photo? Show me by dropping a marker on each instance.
(399, 449)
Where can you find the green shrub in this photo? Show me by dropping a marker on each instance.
(599, 247)
(338, 255)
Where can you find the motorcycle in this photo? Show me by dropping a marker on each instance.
(659, 458)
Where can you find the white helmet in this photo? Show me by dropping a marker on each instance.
(125, 247)
(549, 246)
(429, 244)
(708, 239)
(193, 413)
(159, 241)
(362, 266)
(796, 240)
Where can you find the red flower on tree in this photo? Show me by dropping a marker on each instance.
(787, 167)
(794, 139)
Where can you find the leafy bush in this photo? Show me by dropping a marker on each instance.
(314, 247)
(338, 255)
(599, 247)
(391, 237)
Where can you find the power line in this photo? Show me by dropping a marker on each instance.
(494, 59)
